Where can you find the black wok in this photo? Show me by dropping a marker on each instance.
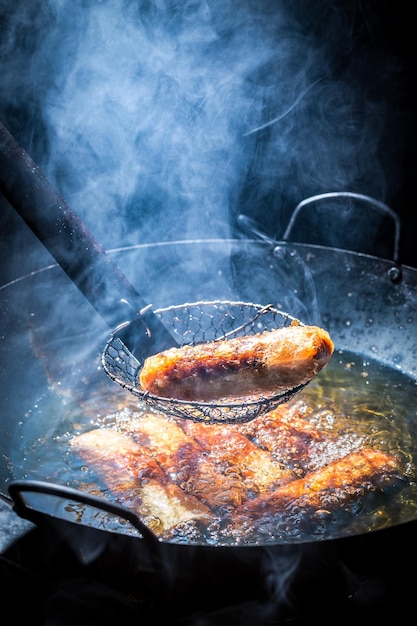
(50, 358)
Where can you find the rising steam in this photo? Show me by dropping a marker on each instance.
(163, 119)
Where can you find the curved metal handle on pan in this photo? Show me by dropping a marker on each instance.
(18, 488)
(372, 202)
(249, 226)
(75, 249)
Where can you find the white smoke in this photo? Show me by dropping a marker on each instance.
(163, 119)
(148, 110)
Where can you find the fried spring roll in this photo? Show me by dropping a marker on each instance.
(136, 480)
(213, 480)
(267, 363)
(288, 436)
(227, 444)
(294, 441)
(294, 414)
(328, 488)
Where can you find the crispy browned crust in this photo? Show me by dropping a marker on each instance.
(289, 437)
(266, 363)
(137, 481)
(211, 478)
(329, 487)
(226, 444)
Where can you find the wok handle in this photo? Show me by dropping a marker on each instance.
(372, 202)
(75, 249)
(18, 488)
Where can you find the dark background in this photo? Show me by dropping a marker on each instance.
(368, 47)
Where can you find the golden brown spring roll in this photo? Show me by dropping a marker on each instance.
(288, 437)
(227, 444)
(136, 480)
(263, 364)
(293, 440)
(213, 480)
(328, 488)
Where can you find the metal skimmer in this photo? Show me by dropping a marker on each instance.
(193, 323)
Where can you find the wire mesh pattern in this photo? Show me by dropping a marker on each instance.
(194, 323)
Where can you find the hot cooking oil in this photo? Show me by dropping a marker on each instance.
(355, 403)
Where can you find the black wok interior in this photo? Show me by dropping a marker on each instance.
(53, 573)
